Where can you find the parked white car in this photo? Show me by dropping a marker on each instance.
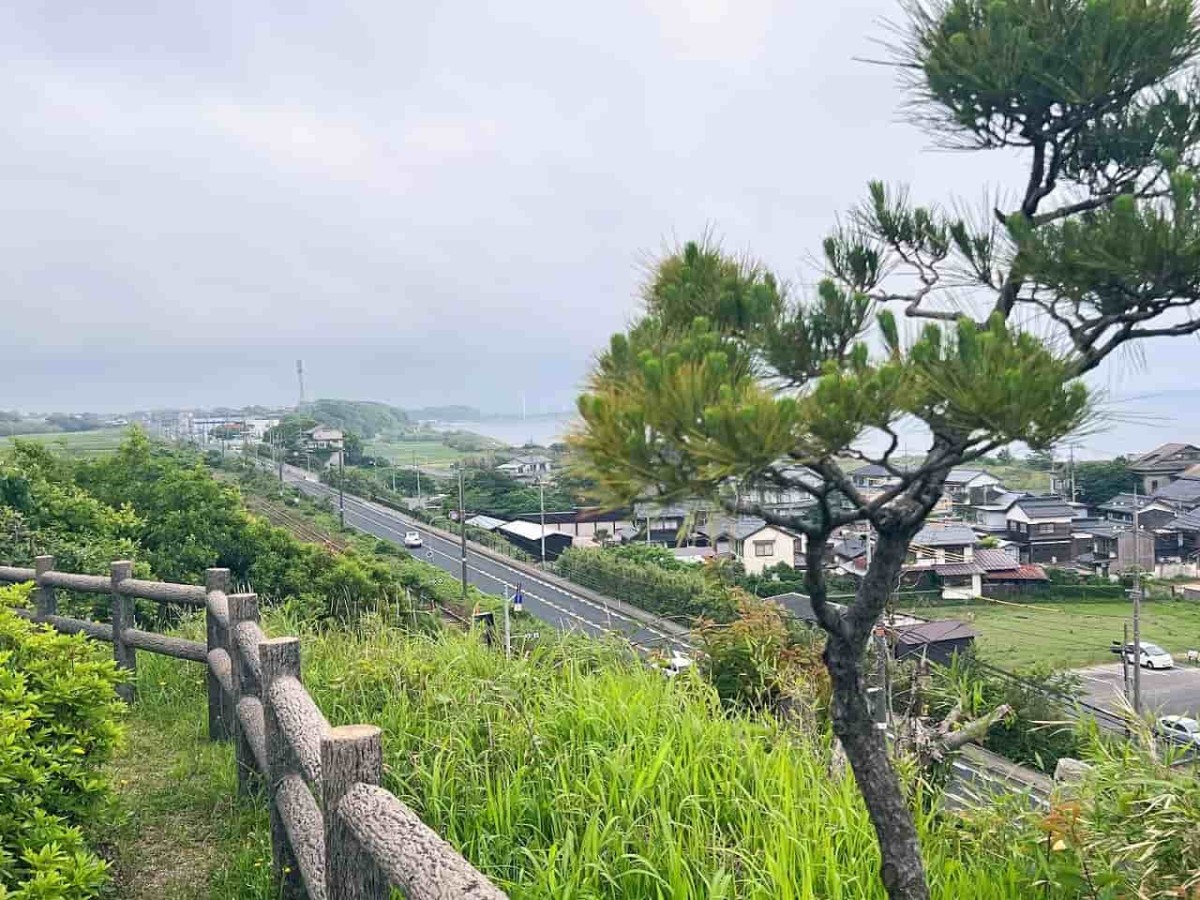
(1183, 729)
(412, 540)
(1153, 656)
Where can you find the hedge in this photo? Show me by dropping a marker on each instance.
(59, 722)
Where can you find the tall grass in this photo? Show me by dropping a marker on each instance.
(578, 773)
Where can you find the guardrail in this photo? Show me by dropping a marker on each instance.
(335, 833)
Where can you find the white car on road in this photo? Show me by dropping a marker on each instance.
(1182, 729)
(1153, 657)
(412, 539)
(675, 665)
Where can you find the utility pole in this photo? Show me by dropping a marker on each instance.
(1137, 607)
(1072, 473)
(462, 529)
(1125, 661)
(342, 486)
(507, 629)
(417, 469)
(542, 496)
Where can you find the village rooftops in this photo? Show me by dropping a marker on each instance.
(1189, 521)
(1046, 508)
(944, 536)
(1002, 501)
(1185, 491)
(1123, 503)
(992, 560)
(966, 476)
(739, 530)
(1167, 459)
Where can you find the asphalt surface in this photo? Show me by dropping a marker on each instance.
(1164, 691)
(560, 608)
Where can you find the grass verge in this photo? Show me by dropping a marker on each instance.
(1067, 635)
(183, 833)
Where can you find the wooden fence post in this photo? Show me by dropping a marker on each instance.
(280, 658)
(242, 608)
(220, 705)
(349, 755)
(45, 599)
(122, 619)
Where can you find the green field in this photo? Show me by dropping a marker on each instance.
(401, 451)
(76, 443)
(1070, 634)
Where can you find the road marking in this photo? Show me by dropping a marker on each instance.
(378, 515)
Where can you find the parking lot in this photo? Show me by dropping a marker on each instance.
(1164, 692)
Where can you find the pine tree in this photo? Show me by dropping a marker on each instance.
(728, 379)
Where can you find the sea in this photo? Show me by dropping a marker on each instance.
(1125, 425)
(517, 432)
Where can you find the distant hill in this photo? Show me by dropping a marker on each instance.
(446, 414)
(365, 418)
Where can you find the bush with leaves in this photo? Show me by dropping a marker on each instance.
(761, 659)
(59, 722)
(1040, 729)
(684, 594)
(1130, 828)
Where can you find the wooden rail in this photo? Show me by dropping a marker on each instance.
(335, 833)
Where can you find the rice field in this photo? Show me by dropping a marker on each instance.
(401, 451)
(75, 443)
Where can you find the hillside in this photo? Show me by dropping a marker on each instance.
(366, 418)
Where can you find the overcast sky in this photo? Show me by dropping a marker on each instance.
(429, 205)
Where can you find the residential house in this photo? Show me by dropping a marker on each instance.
(1152, 512)
(947, 552)
(1095, 544)
(1164, 464)
(1184, 533)
(1042, 528)
(1183, 493)
(989, 513)
(323, 439)
(937, 543)
(848, 553)
(1004, 574)
(965, 485)
(873, 478)
(528, 468)
(758, 545)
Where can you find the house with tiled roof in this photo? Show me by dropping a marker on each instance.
(1183, 493)
(1041, 528)
(1164, 464)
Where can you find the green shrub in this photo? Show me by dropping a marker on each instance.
(685, 594)
(58, 725)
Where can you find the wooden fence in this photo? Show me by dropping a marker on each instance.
(335, 833)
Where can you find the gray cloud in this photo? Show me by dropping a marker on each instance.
(432, 203)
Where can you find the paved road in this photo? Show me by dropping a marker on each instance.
(556, 606)
(1164, 692)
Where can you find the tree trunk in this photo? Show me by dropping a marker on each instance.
(902, 872)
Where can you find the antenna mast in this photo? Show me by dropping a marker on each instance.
(300, 378)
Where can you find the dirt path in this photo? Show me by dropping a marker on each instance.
(182, 834)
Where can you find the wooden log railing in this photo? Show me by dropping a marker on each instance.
(335, 833)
